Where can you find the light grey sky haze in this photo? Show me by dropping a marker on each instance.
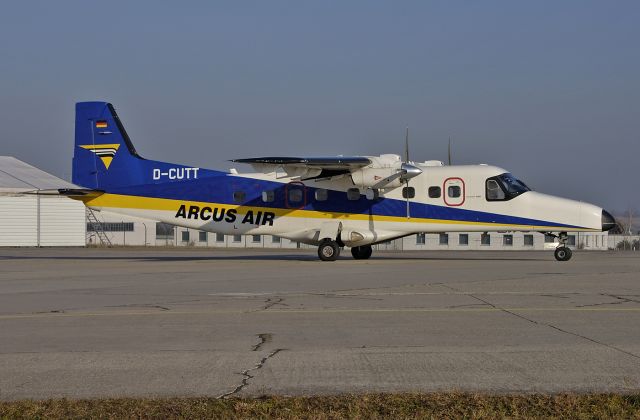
(548, 90)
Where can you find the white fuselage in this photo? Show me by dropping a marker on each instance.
(462, 205)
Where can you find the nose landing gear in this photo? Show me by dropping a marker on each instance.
(563, 252)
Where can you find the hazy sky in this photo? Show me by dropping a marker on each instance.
(549, 90)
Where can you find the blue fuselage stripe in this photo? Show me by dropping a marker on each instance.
(220, 189)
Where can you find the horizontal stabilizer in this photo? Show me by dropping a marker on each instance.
(76, 192)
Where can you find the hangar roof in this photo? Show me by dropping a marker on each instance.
(17, 176)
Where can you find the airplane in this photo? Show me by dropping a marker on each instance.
(330, 202)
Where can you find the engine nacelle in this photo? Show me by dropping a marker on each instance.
(356, 237)
(376, 178)
(391, 176)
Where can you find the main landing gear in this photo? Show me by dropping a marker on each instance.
(361, 252)
(563, 252)
(329, 250)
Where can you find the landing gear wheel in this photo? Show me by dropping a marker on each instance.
(361, 252)
(328, 250)
(562, 253)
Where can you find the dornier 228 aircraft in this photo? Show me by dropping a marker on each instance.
(329, 202)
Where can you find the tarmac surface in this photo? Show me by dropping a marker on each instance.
(186, 322)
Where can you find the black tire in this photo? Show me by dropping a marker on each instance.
(328, 250)
(562, 253)
(361, 252)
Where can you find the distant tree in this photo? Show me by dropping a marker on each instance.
(629, 216)
(625, 223)
(623, 245)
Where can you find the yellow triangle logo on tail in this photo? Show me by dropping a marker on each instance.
(106, 152)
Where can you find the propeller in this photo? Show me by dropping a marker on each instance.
(408, 170)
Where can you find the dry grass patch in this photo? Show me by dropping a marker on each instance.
(371, 406)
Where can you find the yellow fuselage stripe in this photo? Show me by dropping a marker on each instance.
(151, 203)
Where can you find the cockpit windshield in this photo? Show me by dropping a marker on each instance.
(504, 187)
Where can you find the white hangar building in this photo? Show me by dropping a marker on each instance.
(31, 217)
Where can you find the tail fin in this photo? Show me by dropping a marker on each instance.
(104, 156)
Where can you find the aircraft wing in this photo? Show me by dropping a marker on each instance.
(307, 168)
(346, 163)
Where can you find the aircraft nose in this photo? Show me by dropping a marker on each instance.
(608, 221)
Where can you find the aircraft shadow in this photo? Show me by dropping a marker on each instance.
(271, 257)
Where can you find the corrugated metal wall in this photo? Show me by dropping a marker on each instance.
(18, 220)
(61, 221)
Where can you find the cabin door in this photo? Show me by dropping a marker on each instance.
(295, 195)
(453, 192)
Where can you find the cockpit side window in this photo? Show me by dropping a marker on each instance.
(504, 187)
(494, 191)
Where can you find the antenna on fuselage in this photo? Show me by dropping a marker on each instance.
(449, 149)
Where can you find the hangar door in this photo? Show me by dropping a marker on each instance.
(31, 220)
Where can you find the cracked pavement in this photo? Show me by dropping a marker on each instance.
(84, 323)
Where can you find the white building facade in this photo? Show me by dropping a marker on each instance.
(31, 214)
(122, 230)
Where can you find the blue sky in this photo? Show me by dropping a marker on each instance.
(549, 90)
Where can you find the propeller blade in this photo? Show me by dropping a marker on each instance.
(406, 145)
(407, 169)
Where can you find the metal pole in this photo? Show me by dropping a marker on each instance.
(38, 220)
(145, 233)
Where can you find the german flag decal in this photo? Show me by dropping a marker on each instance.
(101, 124)
(106, 152)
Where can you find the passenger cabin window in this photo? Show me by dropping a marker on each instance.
(504, 187)
(463, 239)
(454, 191)
(295, 195)
(268, 196)
(434, 192)
(408, 192)
(239, 196)
(353, 194)
(321, 194)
